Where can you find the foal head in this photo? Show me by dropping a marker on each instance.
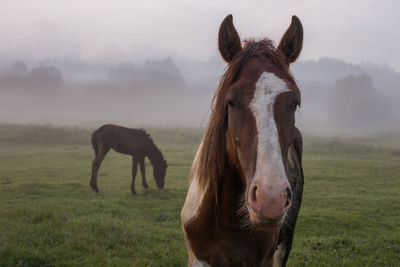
(159, 171)
(255, 106)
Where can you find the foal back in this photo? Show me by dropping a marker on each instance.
(121, 139)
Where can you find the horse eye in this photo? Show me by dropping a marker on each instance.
(231, 103)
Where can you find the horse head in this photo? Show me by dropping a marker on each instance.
(258, 98)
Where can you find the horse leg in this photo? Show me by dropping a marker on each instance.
(143, 172)
(101, 153)
(134, 172)
(281, 254)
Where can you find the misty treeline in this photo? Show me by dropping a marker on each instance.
(342, 97)
(336, 96)
(18, 77)
(151, 74)
(83, 92)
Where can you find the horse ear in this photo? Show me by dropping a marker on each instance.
(228, 40)
(292, 41)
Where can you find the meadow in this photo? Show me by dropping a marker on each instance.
(49, 216)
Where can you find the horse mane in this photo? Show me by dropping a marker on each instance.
(213, 159)
(146, 133)
(163, 162)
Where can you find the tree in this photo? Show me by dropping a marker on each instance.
(356, 103)
(151, 75)
(18, 68)
(15, 77)
(46, 77)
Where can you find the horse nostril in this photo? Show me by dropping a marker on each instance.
(289, 196)
(253, 195)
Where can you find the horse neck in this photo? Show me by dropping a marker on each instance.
(229, 195)
(219, 202)
(154, 154)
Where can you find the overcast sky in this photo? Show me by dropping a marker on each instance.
(353, 30)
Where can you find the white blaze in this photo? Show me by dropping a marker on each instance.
(269, 157)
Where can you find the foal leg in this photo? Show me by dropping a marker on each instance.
(93, 180)
(134, 172)
(96, 165)
(143, 172)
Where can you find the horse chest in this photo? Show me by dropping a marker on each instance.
(231, 247)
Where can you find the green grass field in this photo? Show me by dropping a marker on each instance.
(49, 216)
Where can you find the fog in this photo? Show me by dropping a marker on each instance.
(152, 93)
(136, 64)
(343, 98)
(336, 96)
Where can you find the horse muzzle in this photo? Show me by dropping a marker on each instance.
(269, 202)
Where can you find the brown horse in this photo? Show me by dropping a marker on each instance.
(134, 142)
(247, 181)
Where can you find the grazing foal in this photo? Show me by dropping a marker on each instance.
(246, 180)
(134, 142)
